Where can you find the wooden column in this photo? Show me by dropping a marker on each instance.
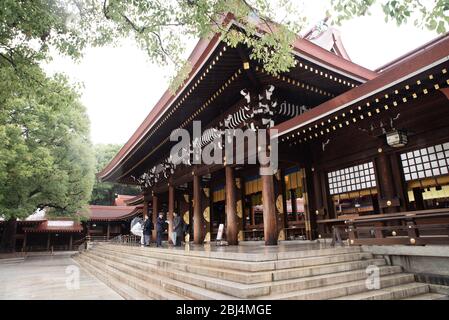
(24, 245)
(386, 190)
(108, 232)
(205, 213)
(171, 209)
(48, 241)
(400, 185)
(279, 188)
(269, 209)
(239, 197)
(145, 208)
(231, 214)
(154, 215)
(319, 210)
(71, 242)
(184, 211)
(309, 206)
(197, 217)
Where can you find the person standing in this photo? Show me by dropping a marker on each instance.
(160, 229)
(178, 229)
(147, 227)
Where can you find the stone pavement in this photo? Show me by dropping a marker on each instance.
(50, 277)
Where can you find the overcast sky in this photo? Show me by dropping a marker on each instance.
(121, 86)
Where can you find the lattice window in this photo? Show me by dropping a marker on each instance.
(426, 162)
(353, 178)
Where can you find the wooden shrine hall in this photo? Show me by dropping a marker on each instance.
(362, 154)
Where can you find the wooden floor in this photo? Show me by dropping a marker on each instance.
(49, 277)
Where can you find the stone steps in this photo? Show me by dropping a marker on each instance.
(120, 287)
(161, 273)
(393, 293)
(12, 260)
(158, 255)
(239, 276)
(229, 288)
(162, 287)
(342, 290)
(135, 286)
(428, 296)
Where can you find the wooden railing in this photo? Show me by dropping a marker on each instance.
(126, 239)
(82, 244)
(406, 228)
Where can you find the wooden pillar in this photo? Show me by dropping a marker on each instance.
(318, 206)
(269, 209)
(171, 209)
(309, 204)
(154, 215)
(24, 245)
(184, 211)
(205, 216)
(71, 242)
(48, 241)
(231, 214)
(279, 189)
(145, 208)
(197, 219)
(239, 197)
(400, 186)
(108, 231)
(386, 190)
(318, 196)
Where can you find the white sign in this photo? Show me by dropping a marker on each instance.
(59, 223)
(220, 232)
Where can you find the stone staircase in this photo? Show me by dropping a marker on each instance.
(330, 273)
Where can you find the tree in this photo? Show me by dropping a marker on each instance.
(159, 27)
(103, 193)
(433, 15)
(46, 159)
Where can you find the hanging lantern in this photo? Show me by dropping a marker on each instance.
(397, 138)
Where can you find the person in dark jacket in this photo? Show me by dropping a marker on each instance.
(147, 227)
(178, 229)
(161, 226)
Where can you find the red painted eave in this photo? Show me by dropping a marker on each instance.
(439, 50)
(315, 52)
(111, 213)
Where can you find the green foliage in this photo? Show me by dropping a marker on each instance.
(433, 15)
(103, 193)
(160, 28)
(46, 159)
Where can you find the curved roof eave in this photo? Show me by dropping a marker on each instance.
(200, 54)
